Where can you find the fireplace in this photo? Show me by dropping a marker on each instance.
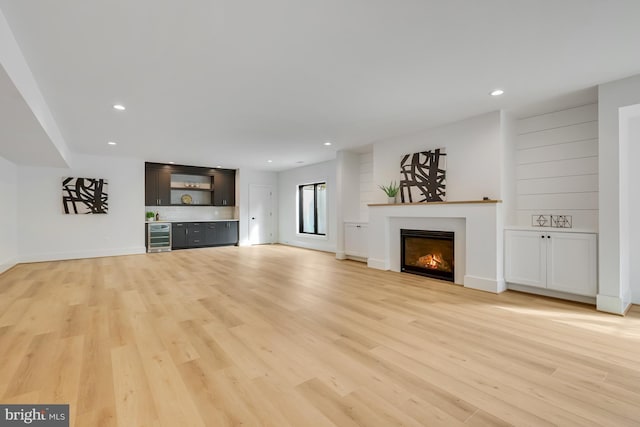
(428, 253)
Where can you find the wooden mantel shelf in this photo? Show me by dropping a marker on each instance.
(457, 202)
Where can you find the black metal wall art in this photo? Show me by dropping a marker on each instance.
(423, 176)
(84, 196)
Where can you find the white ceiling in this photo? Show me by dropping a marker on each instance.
(240, 82)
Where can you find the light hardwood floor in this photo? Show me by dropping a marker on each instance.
(279, 336)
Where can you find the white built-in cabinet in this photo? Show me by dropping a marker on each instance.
(356, 239)
(559, 261)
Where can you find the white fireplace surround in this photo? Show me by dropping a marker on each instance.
(478, 228)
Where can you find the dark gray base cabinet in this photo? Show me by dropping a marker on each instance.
(178, 235)
(221, 233)
(200, 234)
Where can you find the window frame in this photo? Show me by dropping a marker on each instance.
(315, 209)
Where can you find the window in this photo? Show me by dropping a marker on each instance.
(312, 209)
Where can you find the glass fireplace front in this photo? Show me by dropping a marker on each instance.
(428, 253)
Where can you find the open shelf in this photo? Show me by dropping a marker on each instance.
(191, 188)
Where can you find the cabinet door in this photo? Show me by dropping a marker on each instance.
(157, 187)
(150, 187)
(196, 234)
(525, 258)
(221, 233)
(164, 187)
(233, 232)
(211, 233)
(178, 235)
(355, 240)
(571, 263)
(224, 188)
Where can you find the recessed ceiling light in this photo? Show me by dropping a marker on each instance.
(269, 161)
(497, 92)
(327, 143)
(112, 143)
(119, 107)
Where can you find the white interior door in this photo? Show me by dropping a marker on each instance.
(260, 214)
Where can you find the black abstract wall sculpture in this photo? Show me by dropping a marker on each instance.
(423, 177)
(84, 196)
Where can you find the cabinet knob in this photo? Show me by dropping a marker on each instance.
(542, 237)
(548, 237)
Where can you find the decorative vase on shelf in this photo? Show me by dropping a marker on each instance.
(391, 200)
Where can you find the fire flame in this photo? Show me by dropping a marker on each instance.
(433, 261)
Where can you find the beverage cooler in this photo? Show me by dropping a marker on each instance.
(159, 237)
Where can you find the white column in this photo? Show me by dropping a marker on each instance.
(614, 293)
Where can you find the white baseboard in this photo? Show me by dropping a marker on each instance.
(551, 293)
(379, 264)
(342, 256)
(613, 305)
(7, 264)
(309, 245)
(487, 285)
(305, 247)
(59, 256)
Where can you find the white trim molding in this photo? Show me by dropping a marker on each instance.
(610, 304)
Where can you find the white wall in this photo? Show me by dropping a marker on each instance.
(473, 157)
(634, 209)
(244, 179)
(350, 184)
(288, 182)
(367, 195)
(557, 166)
(508, 143)
(347, 195)
(614, 292)
(8, 214)
(48, 234)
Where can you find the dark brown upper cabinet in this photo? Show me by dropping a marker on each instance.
(224, 187)
(165, 185)
(157, 184)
